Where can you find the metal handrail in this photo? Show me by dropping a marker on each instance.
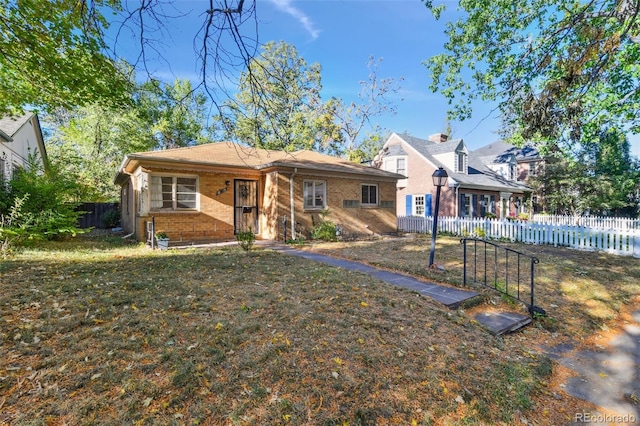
(484, 279)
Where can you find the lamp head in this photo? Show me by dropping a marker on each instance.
(440, 177)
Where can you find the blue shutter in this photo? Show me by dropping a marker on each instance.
(409, 205)
(461, 206)
(427, 205)
(483, 209)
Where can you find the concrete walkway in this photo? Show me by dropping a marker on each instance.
(448, 296)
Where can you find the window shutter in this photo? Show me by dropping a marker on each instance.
(483, 209)
(474, 205)
(461, 205)
(427, 205)
(409, 204)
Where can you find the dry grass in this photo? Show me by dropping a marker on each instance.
(93, 331)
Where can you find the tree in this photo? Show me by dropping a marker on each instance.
(66, 53)
(354, 118)
(560, 70)
(176, 113)
(601, 179)
(90, 142)
(278, 104)
(52, 55)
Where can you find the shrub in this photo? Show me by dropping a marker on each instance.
(324, 229)
(111, 219)
(489, 215)
(480, 232)
(246, 239)
(523, 216)
(35, 205)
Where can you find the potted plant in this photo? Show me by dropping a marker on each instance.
(162, 239)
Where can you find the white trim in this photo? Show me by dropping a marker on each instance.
(153, 192)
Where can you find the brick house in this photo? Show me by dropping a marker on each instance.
(210, 192)
(477, 184)
(20, 139)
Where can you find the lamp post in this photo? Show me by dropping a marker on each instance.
(440, 178)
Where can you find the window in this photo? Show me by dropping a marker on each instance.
(3, 172)
(396, 165)
(369, 195)
(174, 193)
(418, 206)
(315, 194)
(512, 172)
(532, 168)
(461, 163)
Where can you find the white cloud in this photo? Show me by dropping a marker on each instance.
(287, 7)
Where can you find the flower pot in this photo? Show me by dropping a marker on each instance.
(163, 243)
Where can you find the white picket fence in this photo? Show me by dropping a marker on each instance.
(589, 221)
(616, 241)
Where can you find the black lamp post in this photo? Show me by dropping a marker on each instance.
(440, 178)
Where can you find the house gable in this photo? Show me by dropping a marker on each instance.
(21, 139)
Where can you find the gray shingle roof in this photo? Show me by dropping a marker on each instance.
(500, 151)
(11, 124)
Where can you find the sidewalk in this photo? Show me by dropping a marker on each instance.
(448, 296)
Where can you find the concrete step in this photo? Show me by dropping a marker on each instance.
(502, 322)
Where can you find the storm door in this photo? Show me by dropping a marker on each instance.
(245, 205)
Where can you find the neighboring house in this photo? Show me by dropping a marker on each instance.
(20, 139)
(474, 188)
(509, 160)
(210, 192)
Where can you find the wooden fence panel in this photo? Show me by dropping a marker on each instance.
(94, 213)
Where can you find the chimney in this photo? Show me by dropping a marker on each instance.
(438, 137)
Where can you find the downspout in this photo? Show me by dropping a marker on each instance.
(292, 204)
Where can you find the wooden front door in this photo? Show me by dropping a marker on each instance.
(246, 205)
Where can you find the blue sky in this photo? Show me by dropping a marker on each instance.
(341, 35)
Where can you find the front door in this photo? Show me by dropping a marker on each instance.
(246, 205)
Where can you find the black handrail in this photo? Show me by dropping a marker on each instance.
(501, 268)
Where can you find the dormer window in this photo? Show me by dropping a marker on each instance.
(462, 162)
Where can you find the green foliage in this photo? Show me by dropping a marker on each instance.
(161, 235)
(559, 70)
(600, 179)
(278, 104)
(479, 232)
(39, 206)
(246, 239)
(324, 229)
(53, 56)
(90, 142)
(111, 219)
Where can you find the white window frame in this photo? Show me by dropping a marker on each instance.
(369, 203)
(533, 168)
(401, 170)
(419, 205)
(461, 157)
(314, 185)
(154, 185)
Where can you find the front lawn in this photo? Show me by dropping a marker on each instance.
(96, 331)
